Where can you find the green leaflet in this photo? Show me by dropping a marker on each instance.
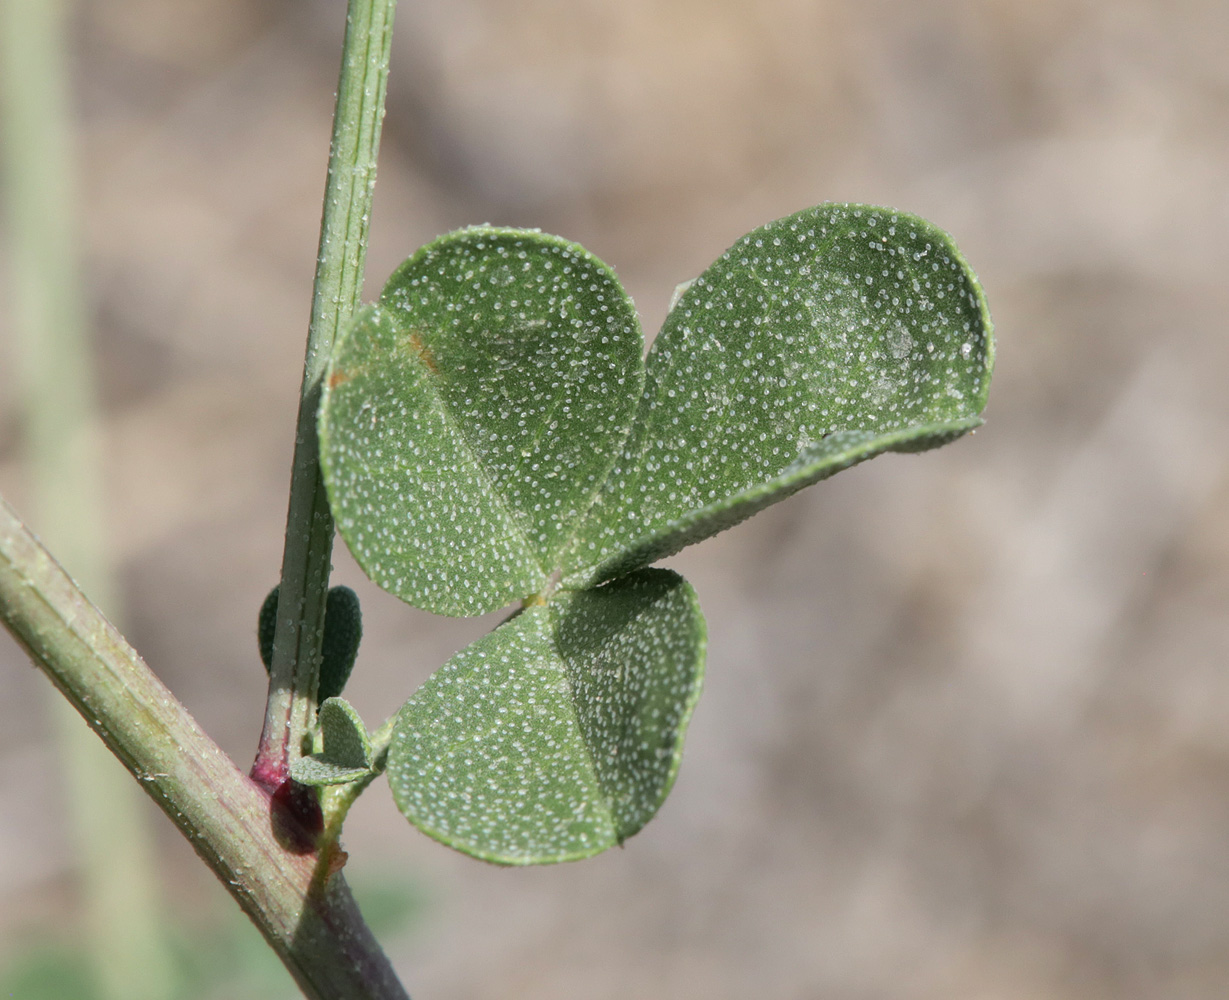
(347, 754)
(560, 733)
(470, 417)
(814, 343)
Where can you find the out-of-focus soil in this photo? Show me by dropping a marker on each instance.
(964, 733)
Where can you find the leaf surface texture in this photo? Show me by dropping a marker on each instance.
(559, 734)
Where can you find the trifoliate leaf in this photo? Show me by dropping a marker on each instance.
(814, 343)
(560, 733)
(470, 417)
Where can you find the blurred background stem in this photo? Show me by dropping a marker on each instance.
(109, 823)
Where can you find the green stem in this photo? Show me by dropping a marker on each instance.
(255, 851)
(114, 844)
(293, 675)
(337, 799)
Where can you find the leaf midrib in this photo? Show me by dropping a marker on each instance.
(457, 425)
(648, 403)
(784, 480)
(553, 612)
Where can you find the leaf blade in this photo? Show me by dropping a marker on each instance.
(837, 319)
(347, 752)
(471, 416)
(634, 731)
(506, 752)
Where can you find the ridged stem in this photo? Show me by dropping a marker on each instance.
(255, 849)
(306, 562)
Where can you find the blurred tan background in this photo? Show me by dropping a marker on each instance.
(966, 727)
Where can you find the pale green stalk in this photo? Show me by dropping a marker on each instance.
(337, 799)
(319, 935)
(306, 564)
(114, 844)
